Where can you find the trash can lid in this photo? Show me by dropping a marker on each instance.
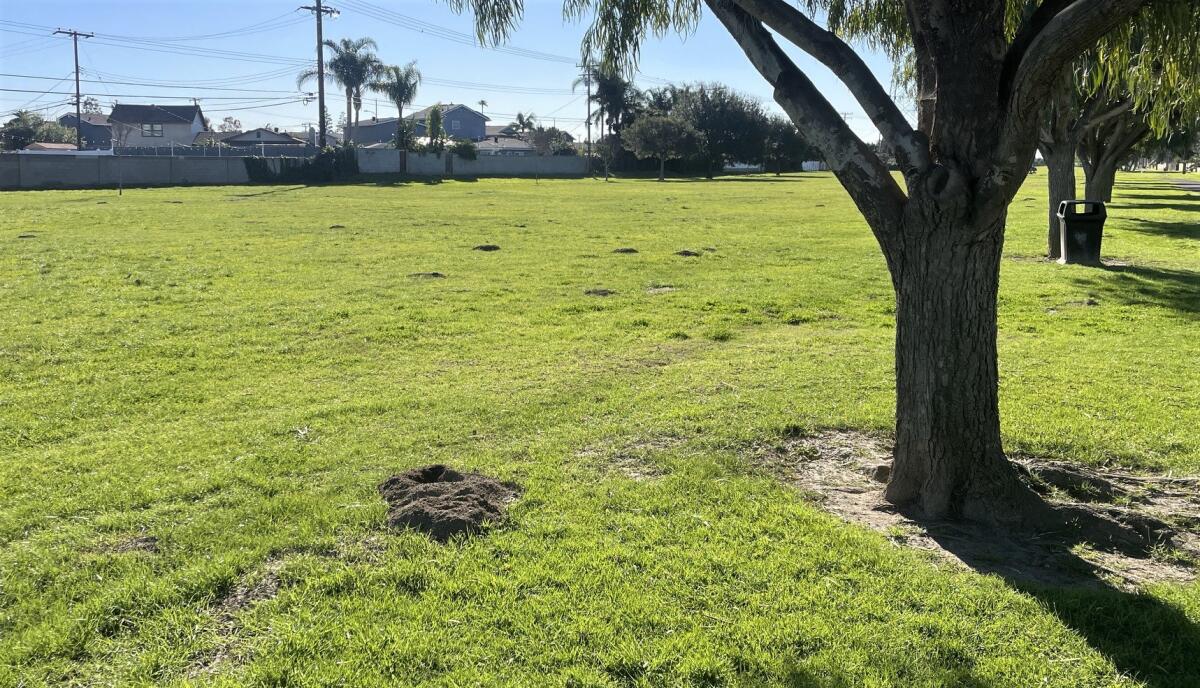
(1092, 209)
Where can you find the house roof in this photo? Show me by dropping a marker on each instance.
(502, 143)
(42, 145)
(499, 130)
(96, 119)
(155, 114)
(423, 114)
(257, 136)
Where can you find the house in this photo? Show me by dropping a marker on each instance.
(95, 129)
(505, 145)
(375, 130)
(45, 146)
(156, 125)
(508, 130)
(313, 137)
(459, 121)
(255, 137)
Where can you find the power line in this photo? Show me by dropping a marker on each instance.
(145, 95)
(146, 83)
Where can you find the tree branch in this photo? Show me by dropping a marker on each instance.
(857, 167)
(912, 149)
(1063, 37)
(1030, 28)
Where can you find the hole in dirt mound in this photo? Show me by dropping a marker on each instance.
(426, 275)
(442, 502)
(486, 247)
(686, 253)
(625, 249)
(599, 292)
(845, 473)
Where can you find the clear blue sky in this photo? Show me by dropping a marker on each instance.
(260, 79)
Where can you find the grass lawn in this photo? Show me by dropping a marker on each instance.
(200, 390)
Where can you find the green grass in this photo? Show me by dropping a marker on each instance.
(221, 369)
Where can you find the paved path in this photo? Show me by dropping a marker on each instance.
(1188, 186)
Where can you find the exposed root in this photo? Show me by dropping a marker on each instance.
(1088, 528)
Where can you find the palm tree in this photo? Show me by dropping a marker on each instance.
(352, 66)
(482, 104)
(524, 123)
(399, 84)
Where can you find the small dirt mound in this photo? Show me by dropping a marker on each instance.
(337, 226)
(599, 292)
(441, 502)
(660, 289)
(486, 247)
(426, 275)
(26, 236)
(625, 249)
(139, 543)
(687, 253)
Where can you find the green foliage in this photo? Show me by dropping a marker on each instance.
(27, 127)
(551, 141)
(399, 84)
(785, 148)
(330, 165)
(731, 127)
(661, 137)
(353, 65)
(464, 149)
(220, 369)
(435, 131)
(406, 139)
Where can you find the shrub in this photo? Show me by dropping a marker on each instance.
(464, 149)
(330, 165)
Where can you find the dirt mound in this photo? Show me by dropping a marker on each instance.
(426, 275)
(625, 249)
(138, 543)
(486, 247)
(441, 502)
(687, 253)
(845, 472)
(660, 289)
(599, 292)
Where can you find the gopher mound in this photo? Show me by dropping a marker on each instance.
(486, 247)
(441, 502)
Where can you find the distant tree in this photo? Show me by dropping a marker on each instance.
(552, 141)
(733, 127)
(482, 104)
(435, 130)
(524, 124)
(91, 106)
(351, 65)
(785, 148)
(464, 149)
(399, 84)
(229, 125)
(27, 127)
(660, 137)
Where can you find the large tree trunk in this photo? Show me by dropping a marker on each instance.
(949, 461)
(347, 135)
(1060, 173)
(1099, 185)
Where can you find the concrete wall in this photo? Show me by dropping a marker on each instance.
(79, 171)
(521, 165)
(379, 161)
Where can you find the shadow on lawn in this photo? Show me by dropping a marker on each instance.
(268, 192)
(1143, 636)
(1174, 230)
(1136, 285)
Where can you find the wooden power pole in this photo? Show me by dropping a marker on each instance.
(75, 36)
(320, 12)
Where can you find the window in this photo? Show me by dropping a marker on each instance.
(455, 125)
(152, 130)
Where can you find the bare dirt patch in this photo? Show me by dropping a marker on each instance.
(688, 253)
(630, 458)
(136, 543)
(257, 586)
(486, 247)
(660, 289)
(442, 502)
(599, 292)
(625, 249)
(426, 275)
(845, 473)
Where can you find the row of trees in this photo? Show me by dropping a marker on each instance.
(706, 126)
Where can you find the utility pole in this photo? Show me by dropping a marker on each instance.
(587, 80)
(320, 12)
(75, 36)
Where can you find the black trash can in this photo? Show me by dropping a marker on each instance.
(1080, 228)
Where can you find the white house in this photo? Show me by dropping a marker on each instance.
(155, 125)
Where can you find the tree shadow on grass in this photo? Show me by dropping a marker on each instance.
(1184, 205)
(1173, 230)
(268, 192)
(1143, 636)
(1136, 285)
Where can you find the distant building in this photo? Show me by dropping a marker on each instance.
(504, 145)
(155, 125)
(459, 121)
(46, 146)
(254, 137)
(95, 129)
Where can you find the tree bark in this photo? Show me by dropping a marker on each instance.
(1099, 185)
(949, 461)
(1060, 172)
(348, 136)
